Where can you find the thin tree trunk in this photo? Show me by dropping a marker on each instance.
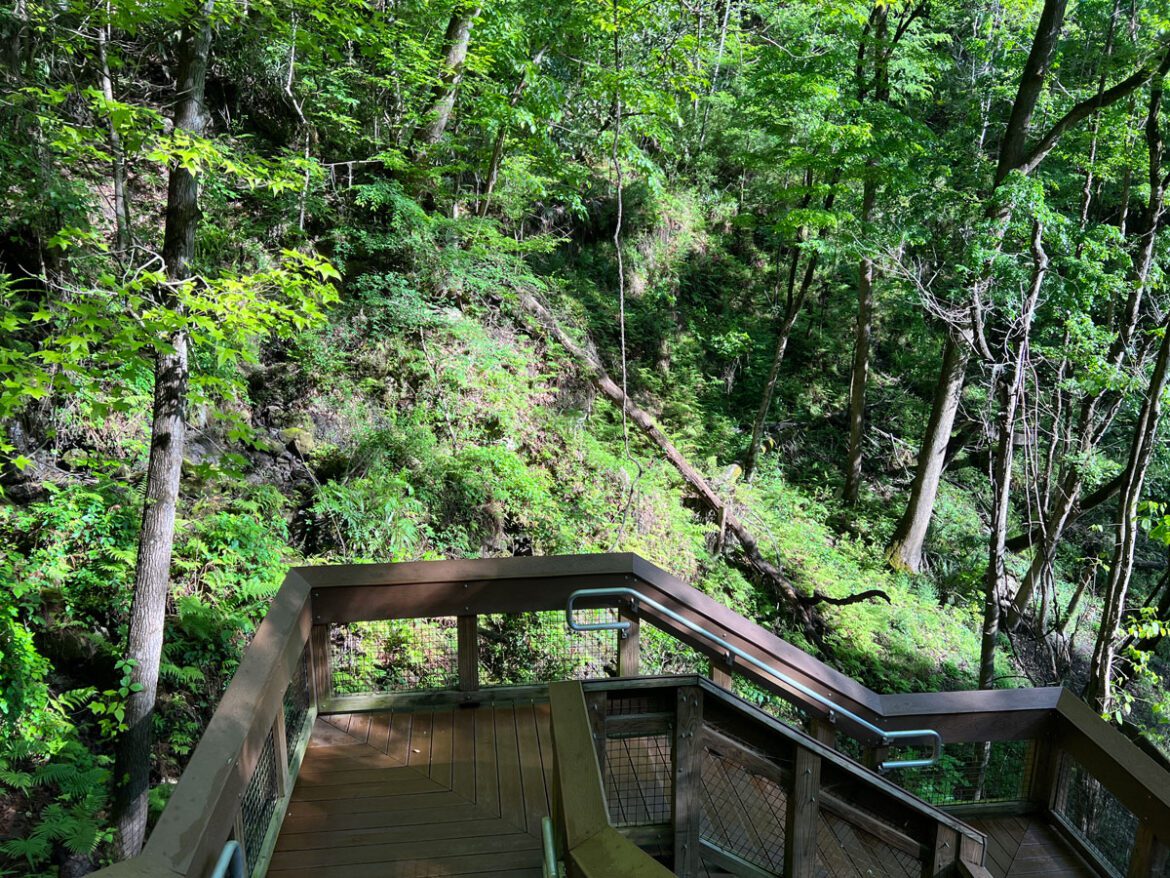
(1092, 428)
(905, 552)
(1098, 691)
(152, 575)
(860, 374)
(859, 378)
(497, 158)
(117, 156)
(727, 4)
(455, 43)
(794, 305)
(1011, 390)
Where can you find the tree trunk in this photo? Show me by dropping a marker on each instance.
(864, 331)
(1092, 428)
(152, 575)
(455, 44)
(782, 337)
(1013, 148)
(794, 304)
(1098, 690)
(905, 552)
(860, 375)
(117, 156)
(497, 158)
(1011, 390)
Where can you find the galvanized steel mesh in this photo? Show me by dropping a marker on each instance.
(394, 655)
(296, 704)
(518, 648)
(743, 812)
(1095, 815)
(845, 850)
(638, 782)
(663, 653)
(259, 803)
(997, 771)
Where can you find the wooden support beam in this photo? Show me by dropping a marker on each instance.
(468, 647)
(687, 754)
(1151, 855)
(943, 854)
(580, 789)
(823, 730)
(320, 664)
(280, 747)
(721, 674)
(800, 830)
(872, 757)
(629, 645)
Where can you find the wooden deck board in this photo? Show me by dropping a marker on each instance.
(1020, 847)
(429, 793)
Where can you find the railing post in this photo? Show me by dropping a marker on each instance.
(468, 649)
(280, 749)
(874, 755)
(596, 708)
(1150, 855)
(629, 645)
(721, 674)
(823, 731)
(800, 829)
(943, 854)
(320, 664)
(687, 753)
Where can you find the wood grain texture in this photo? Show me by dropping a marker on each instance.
(1024, 846)
(425, 793)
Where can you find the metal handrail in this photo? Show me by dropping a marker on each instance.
(231, 862)
(549, 865)
(834, 709)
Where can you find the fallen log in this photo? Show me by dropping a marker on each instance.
(802, 606)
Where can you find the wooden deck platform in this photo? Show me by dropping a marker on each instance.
(461, 791)
(424, 793)
(1018, 847)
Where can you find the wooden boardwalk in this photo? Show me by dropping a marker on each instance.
(422, 793)
(1018, 847)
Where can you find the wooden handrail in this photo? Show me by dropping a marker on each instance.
(204, 807)
(200, 815)
(593, 849)
(495, 585)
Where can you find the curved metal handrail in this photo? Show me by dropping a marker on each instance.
(886, 737)
(231, 862)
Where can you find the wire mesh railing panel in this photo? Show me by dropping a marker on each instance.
(662, 654)
(998, 771)
(296, 704)
(845, 850)
(539, 647)
(1095, 815)
(393, 655)
(771, 703)
(742, 812)
(638, 784)
(259, 803)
